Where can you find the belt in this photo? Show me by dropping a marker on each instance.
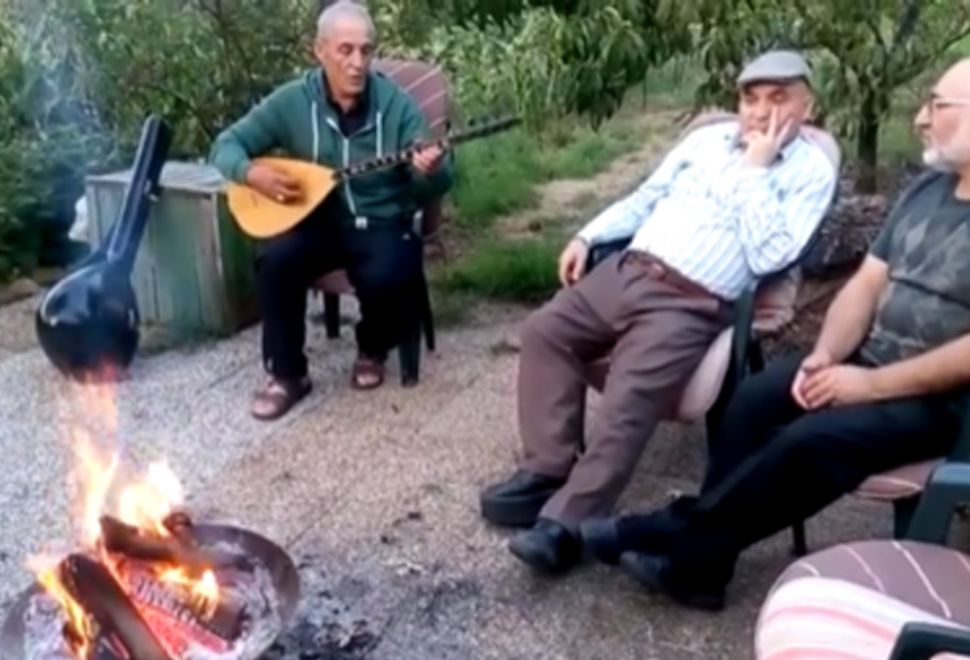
(658, 270)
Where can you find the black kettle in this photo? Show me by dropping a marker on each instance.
(88, 323)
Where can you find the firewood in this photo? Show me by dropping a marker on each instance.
(223, 618)
(179, 549)
(93, 587)
(124, 539)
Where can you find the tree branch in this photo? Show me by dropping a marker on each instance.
(184, 102)
(908, 20)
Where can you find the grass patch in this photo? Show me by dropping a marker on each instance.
(509, 270)
(499, 175)
(493, 177)
(584, 151)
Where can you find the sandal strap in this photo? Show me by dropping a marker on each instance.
(367, 372)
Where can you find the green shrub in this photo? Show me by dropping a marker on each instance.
(499, 175)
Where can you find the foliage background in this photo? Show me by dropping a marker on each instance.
(78, 76)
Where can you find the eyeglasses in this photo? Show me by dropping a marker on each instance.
(934, 102)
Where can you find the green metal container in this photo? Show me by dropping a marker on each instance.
(193, 274)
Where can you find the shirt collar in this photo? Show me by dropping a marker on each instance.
(360, 109)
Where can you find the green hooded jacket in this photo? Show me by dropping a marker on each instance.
(297, 120)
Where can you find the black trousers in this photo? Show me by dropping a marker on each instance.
(773, 464)
(384, 265)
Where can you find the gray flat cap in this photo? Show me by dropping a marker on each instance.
(776, 65)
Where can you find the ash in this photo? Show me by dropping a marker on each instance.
(333, 619)
(44, 620)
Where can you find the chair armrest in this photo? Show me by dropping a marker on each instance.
(743, 334)
(961, 448)
(947, 488)
(922, 641)
(600, 251)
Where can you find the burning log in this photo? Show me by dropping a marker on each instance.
(179, 549)
(193, 612)
(102, 598)
(215, 623)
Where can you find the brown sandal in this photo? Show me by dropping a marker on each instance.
(276, 397)
(367, 374)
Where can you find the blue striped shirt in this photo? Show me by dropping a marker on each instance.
(719, 223)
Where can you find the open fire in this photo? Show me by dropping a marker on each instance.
(141, 581)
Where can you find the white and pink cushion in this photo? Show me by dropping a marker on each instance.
(901, 483)
(828, 619)
(850, 602)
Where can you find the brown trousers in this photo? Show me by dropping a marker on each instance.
(657, 332)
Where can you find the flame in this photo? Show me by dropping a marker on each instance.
(95, 474)
(144, 503)
(204, 590)
(45, 569)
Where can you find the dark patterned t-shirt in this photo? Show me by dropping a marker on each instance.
(926, 243)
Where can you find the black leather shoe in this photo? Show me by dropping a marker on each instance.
(548, 546)
(651, 532)
(657, 574)
(517, 501)
(601, 537)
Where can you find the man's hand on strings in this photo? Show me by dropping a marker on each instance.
(427, 159)
(276, 185)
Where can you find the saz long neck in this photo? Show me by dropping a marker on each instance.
(474, 131)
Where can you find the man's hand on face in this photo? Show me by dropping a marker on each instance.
(276, 185)
(572, 262)
(427, 160)
(763, 148)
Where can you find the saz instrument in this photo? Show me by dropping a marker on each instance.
(263, 217)
(87, 324)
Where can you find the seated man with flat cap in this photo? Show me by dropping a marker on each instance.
(338, 114)
(731, 203)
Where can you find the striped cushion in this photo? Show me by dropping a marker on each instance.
(930, 577)
(900, 483)
(822, 618)
(426, 84)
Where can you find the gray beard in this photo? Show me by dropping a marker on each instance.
(935, 160)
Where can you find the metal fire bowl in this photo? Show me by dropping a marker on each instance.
(286, 580)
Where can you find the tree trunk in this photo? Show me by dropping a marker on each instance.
(867, 144)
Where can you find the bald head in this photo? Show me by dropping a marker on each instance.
(341, 13)
(956, 79)
(943, 122)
